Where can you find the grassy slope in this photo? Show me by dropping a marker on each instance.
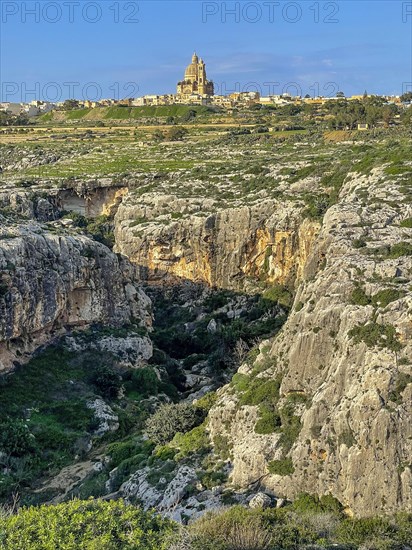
(124, 113)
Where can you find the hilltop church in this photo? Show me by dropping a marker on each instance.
(195, 81)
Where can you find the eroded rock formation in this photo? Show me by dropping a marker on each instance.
(229, 248)
(343, 358)
(50, 282)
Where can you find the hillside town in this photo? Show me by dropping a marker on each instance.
(196, 89)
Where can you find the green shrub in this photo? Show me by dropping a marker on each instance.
(121, 450)
(406, 223)
(168, 420)
(291, 426)
(240, 382)
(380, 299)
(261, 390)
(206, 402)
(346, 438)
(145, 381)
(306, 503)
(359, 531)
(373, 334)
(398, 250)
(165, 452)
(283, 467)
(195, 441)
(280, 294)
(359, 297)
(213, 479)
(222, 446)
(233, 529)
(359, 243)
(269, 421)
(15, 438)
(106, 380)
(386, 296)
(85, 525)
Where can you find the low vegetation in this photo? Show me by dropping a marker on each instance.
(309, 522)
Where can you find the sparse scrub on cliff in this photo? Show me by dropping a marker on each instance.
(280, 294)
(99, 228)
(394, 251)
(400, 383)
(316, 206)
(381, 299)
(374, 334)
(283, 467)
(193, 441)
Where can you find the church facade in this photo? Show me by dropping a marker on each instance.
(195, 80)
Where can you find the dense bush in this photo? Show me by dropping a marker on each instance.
(305, 503)
(15, 438)
(311, 522)
(191, 442)
(85, 525)
(168, 420)
(145, 381)
(106, 380)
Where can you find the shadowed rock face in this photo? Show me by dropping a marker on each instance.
(52, 282)
(229, 248)
(355, 438)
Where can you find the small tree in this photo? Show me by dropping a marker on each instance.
(107, 381)
(168, 420)
(176, 134)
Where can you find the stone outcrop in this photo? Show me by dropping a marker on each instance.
(344, 364)
(90, 198)
(194, 239)
(108, 420)
(54, 281)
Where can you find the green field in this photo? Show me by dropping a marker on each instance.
(125, 113)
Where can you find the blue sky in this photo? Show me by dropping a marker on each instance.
(273, 46)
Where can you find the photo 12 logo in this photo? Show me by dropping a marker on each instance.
(270, 12)
(54, 92)
(69, 11)
(271, 88)
(407, 12)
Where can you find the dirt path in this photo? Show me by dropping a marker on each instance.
(67, 479)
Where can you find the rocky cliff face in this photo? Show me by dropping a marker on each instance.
(195, 239)
(341, 422)
(51, 280)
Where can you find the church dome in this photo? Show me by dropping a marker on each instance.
(195, 79)
(192, 69)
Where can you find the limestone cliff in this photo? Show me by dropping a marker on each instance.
(195, 239)
(52, 280)
(341, 422)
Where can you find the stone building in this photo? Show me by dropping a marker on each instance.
(195, 80)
